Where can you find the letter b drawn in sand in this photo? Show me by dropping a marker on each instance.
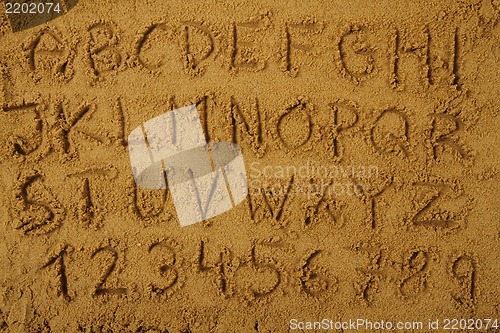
(205, 180)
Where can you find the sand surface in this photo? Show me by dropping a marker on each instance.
(369, 131)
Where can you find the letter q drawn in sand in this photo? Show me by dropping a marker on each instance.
(205, 180)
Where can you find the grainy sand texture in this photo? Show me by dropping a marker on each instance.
(369, 133)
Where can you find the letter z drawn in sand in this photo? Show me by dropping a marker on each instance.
(205, 180)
